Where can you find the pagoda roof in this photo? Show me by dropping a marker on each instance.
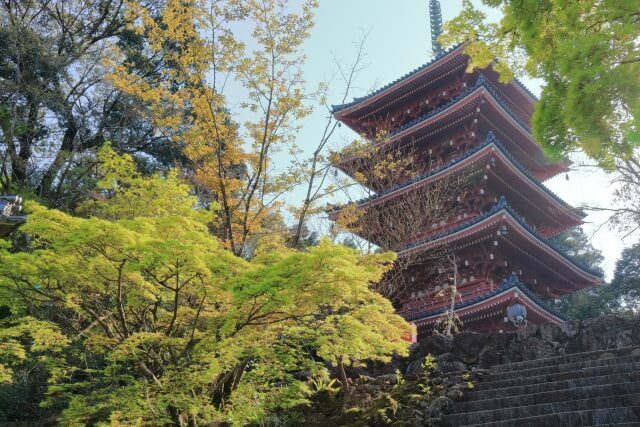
(502, 213)
(481, 82)
(391, 87)
(10, 218)
(481, 91)
(416, 73)
(508, 285)
(489, 147)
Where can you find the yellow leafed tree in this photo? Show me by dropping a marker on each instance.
(233, 165)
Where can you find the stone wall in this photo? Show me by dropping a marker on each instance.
(469, 351)
(402, 393)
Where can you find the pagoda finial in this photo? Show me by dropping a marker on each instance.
(435, 19)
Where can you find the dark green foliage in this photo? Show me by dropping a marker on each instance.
(621, 296)
(577, 245)
(587, 303)
(57, 107)
(626, 280)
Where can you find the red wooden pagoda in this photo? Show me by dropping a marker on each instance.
(471, 124)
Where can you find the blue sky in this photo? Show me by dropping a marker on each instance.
(398, 41)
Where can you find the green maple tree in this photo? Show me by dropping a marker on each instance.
(138, 315)
(586, 53)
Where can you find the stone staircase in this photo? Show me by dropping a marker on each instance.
(596, 388)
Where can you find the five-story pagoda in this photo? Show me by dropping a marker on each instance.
(502, 220)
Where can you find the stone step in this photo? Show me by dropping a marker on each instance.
(567, 358)
(566, 367)
(623, 424)
(552, 396)
(549, 386)
(619, 417)
(494, 415)
(620, 368)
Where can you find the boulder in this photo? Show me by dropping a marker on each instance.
(467, 346)
(436, 344)
(489, 356)
(440, 405)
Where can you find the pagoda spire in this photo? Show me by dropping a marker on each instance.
(435, 19)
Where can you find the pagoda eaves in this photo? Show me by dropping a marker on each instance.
(415, 80)
(557, 262)
(471, 105)
(557, 213)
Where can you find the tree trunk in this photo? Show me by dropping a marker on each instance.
(343, 379)
(44, 188)
(227, 383)
(20, 159)
(454, 292)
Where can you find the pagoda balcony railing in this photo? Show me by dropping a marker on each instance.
(429, 301)
(511, 282)
(502, 205)
(490, 139)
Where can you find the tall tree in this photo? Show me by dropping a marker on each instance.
(586, 52)
(139, 316)
(316, 169)
(626, 279)
(235, 165)
(56, 109)
(620, 296)
(587, 303)
(576, 244)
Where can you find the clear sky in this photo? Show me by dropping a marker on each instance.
(399, 41)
